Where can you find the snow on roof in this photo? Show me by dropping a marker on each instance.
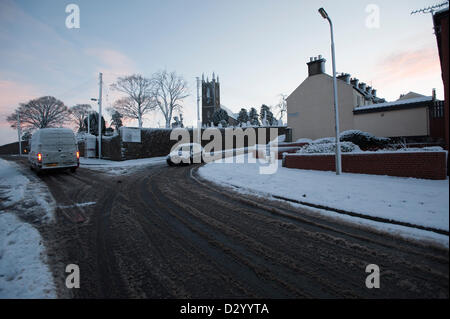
(230, 113)
(55, 129)
(395, 103)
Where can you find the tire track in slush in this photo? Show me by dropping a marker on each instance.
(158, 233)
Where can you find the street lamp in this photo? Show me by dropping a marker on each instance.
(324, 15)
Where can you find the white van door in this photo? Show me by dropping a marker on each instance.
(58, 149)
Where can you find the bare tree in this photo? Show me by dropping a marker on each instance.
(282, 106)
(168, 92)
(138, 101)
(79, 112)
(43, 112)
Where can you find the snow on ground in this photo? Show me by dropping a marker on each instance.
(23, 269)
(119, 167)
(415, 201)
(128, 166)
(25, 192)
(12, 184)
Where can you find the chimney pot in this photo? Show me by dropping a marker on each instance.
(316, 66)
(344, 77)
(355, 82)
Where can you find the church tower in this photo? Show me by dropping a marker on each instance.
(210, 98)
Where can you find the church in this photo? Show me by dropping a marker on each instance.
(211, 101)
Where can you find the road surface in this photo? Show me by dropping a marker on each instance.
(159, 233)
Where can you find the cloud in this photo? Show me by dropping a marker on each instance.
(112, 61)
(408, 64)
(12, 93)
(112, 64)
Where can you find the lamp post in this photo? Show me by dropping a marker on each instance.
(324, 14)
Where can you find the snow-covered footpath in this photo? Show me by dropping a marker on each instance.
(23, 269)
(414, 201)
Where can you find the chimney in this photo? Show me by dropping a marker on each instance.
(354, 82)
(374, 92)
(362, 86)
(344, 77)
(316, 65)
(369, 89)
(433, 94)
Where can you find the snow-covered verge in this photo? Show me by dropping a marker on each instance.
(407, 200)
(23, 269)
(26, 193)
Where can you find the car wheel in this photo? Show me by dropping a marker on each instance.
(169, 162)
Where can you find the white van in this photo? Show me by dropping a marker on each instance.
(54, 148)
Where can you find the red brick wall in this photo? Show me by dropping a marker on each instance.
(429, 165)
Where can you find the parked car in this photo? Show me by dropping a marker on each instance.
(185, 154)
(53, 148)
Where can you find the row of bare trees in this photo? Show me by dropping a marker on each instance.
(164, 91)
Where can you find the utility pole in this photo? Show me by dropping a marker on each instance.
(19, 134)
(100, 116)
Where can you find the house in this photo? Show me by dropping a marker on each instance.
(310, 109)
